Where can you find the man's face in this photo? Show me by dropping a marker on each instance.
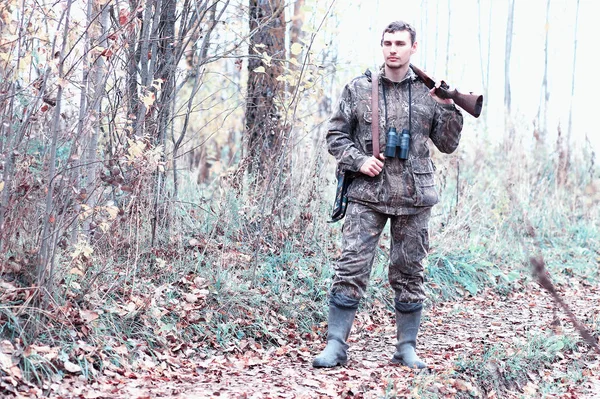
(397, 48)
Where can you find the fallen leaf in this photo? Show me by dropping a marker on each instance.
(191, 298)
(72, 367)
(7, 347)
(5, 361)
(311, 383)
(88, 315)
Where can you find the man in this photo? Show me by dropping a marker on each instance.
(402, 191)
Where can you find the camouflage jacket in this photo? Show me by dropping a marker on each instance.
(403, 186)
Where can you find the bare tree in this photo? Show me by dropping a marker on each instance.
(263, 121)
(508, 49)
(424, 28)
(165, 73)
(167, 32)
(296, 27)
(570, 123)
(542, 116)
(437, 34)
(98, 20)
(45, 270)
(485, 69)
(197, 63)
(75, 160)
(448, 38)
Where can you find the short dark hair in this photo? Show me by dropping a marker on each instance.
(397, 26)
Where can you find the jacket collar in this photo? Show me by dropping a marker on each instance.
(410, 74)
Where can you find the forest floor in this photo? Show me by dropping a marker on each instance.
(484, 346)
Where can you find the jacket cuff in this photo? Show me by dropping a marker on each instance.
(358, 163)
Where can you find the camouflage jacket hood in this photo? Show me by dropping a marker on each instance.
(403, 186)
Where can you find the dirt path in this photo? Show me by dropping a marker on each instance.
(485, 346)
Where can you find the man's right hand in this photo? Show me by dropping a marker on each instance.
(373, 166)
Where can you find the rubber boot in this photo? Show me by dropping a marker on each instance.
(408, 318)
(341, 316)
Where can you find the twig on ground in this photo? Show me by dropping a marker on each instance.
(543, 277)
(541, 273)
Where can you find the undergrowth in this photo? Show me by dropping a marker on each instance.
(509, 368)
(235, 272)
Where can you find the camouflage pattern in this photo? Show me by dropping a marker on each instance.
(403, 186)
(409, 246)
(403, 192)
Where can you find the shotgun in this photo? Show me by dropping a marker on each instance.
(472, 103)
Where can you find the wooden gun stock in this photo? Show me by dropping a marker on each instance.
(472, 103)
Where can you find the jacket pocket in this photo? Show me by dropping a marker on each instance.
(366, 189)
(424, 175)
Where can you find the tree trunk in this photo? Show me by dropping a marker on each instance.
(437, 35)
(146, 55)
(448, 38)
(165, 71)
(263, 121)
(507, 91)
(134, 55)
(424, 28)
(543, 123)
(542, 116)
(296, 28)
(97, 84)
(166, 67)
(8, 153)
(45, 265)
(570, 123)
(509, 34)
(485, 70)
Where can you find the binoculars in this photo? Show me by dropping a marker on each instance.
(397, 144)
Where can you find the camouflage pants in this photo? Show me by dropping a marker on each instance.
(409, 246)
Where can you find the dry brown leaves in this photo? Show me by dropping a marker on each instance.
(452, 332)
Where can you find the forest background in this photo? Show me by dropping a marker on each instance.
(165, 185)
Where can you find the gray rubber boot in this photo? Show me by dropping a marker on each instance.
(342, 310)
(408, 319)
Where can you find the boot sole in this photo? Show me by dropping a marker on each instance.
(402, 363)
(322, 366)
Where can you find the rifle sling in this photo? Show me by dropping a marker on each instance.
(375, 113)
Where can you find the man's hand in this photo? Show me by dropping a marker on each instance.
(373, 166)
(439, 99)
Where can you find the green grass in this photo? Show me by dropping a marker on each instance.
(37, 369)
(505, 368)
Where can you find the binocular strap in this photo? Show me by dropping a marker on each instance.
(386, 112)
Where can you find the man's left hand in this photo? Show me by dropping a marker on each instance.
(439, 99)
